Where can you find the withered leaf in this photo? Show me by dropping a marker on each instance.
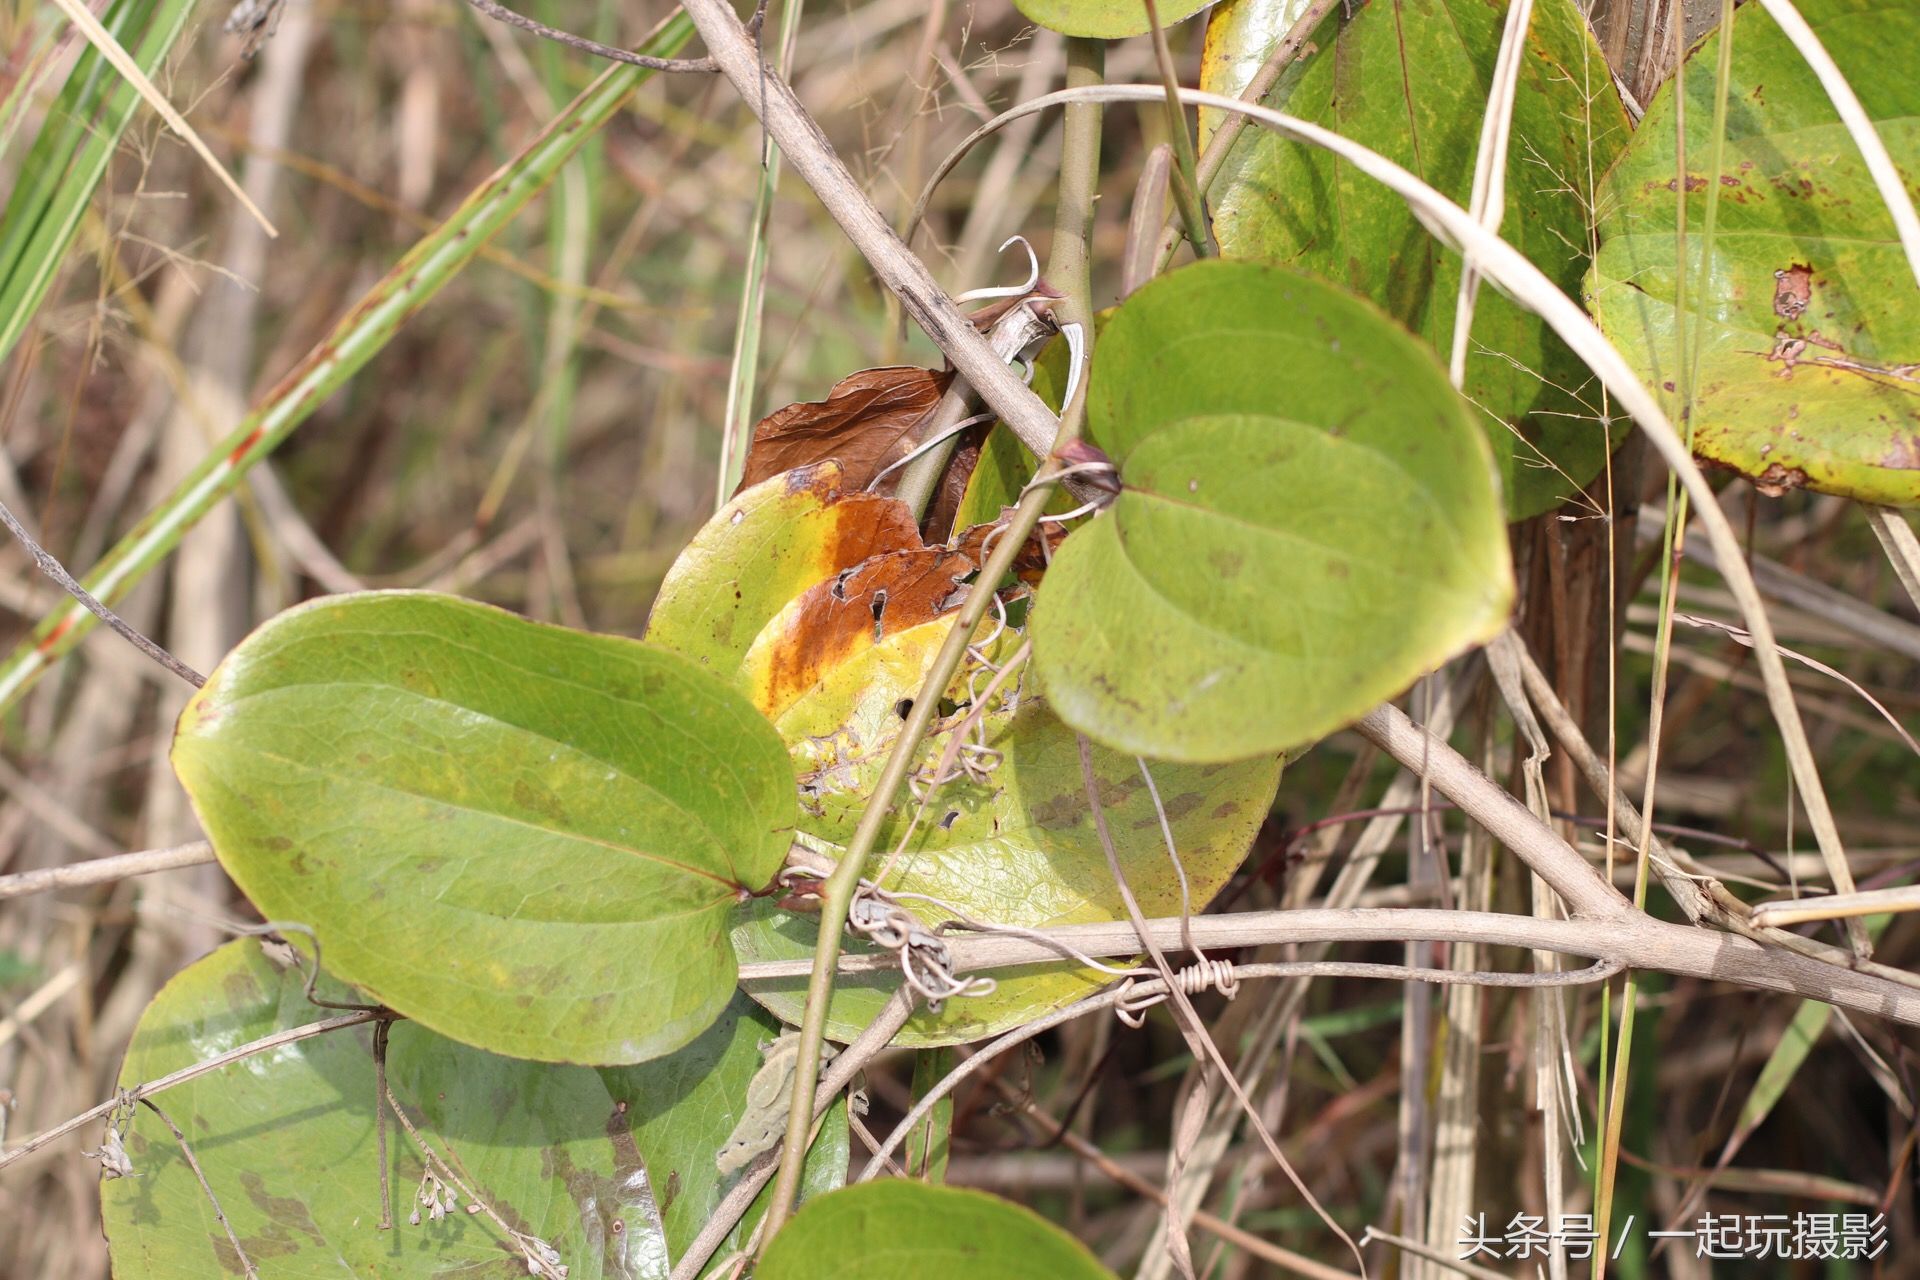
(1031, 562)
(952, 489)
(870, 419)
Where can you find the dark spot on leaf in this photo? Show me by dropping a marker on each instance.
(1792, 290)
(287, 1211)
(1063, 810)
(1180, 806)
(1778, 479)
(1904, 455)
(242, 990)
(903, 708)
(538, 800)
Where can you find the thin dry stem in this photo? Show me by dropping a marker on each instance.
(105, 870)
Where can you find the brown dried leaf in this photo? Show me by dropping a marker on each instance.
(870, 419)
(1031, 564)
(952, 489)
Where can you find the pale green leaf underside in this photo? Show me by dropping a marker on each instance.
(1017, 849)
(589, 1161)
(527, 838)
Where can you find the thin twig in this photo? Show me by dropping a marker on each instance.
(1488, 203)
(1107, 999)
(380, 1121)
(246, 1263)
(1699, 894)
(1144, 218)
(1692, 899)
(1419, 1250)
(500, 13)
(1585, 890)
(1637, 941)
(1214, 158)
(1189, 196)
(1837, 906)
(1902, 548)
(58, 572)
(1741, 636)
(139, 1092)
(1187, 1017)
(1285, 1259)
(533, 1250)
(105, 870)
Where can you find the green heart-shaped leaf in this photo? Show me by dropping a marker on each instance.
(1309, 521)
(1808, 320)
(1410, 80)
(613, 1169)
(1016, 846)
(892, 1229)
(530, 839)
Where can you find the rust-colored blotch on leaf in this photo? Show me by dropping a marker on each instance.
(833, 621)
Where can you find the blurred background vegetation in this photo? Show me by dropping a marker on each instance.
(545, 434)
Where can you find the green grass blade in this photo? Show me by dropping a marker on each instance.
(360, 335)
(737, 428)
(69, 157)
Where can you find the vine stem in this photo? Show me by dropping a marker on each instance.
(1068, 267)
(800, 139)
(1213, 157)
(105, 870)
(733, 1206)
(838, 894)
(1189, 198)
(1638, 941)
